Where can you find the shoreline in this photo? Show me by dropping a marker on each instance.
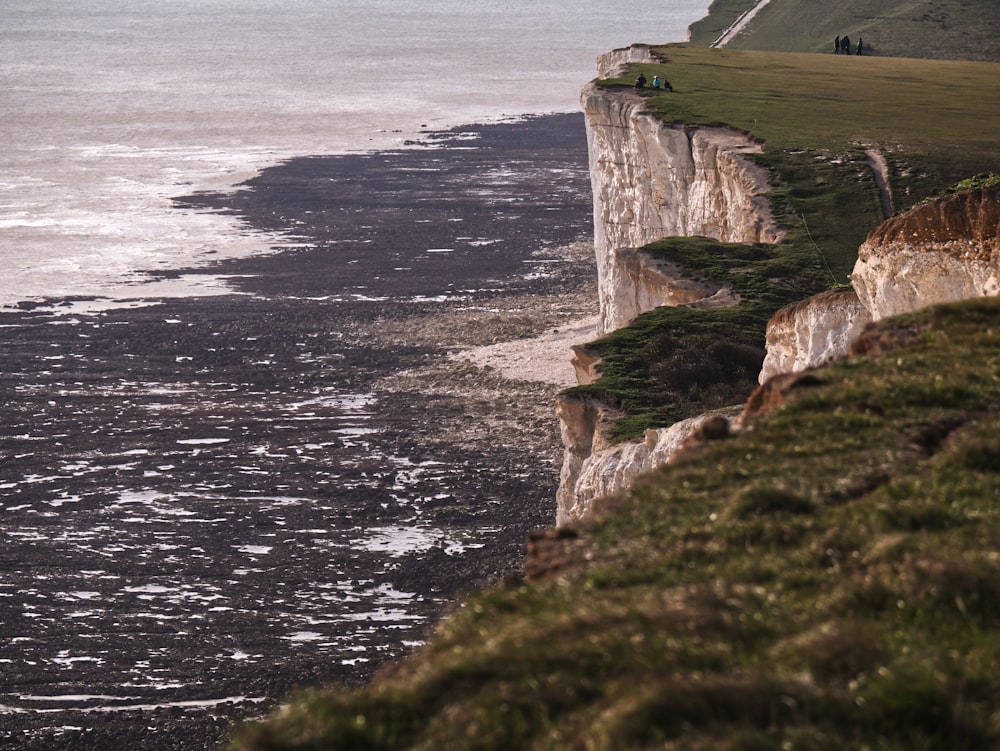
(189, 277)
(544, 358)
(241, 495)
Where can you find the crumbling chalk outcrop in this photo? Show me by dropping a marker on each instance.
(636, 281)
(812, 332)
(650, 181)
(595, 468)
(941, 251)
(616, 63)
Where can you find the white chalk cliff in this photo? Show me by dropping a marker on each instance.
(594, 468)
(941, 251)
(650, 181)
(812, 332)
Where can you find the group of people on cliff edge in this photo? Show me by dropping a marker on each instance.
(842, 46)
(658, 83)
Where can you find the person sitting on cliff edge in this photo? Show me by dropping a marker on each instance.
(640, 82)
(662, 83)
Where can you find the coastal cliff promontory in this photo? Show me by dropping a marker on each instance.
(650, 181)
(654, 179)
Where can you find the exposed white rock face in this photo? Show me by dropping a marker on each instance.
(615, 63)
(595, 468)
(812, 332)
(904, 277)
(582, 425)
(942, 251)
(652, 181)
(637, 282)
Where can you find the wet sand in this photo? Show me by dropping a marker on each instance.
(210, 502)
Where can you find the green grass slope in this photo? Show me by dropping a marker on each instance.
(943, 29)
(827, 579)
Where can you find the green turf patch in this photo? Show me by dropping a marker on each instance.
(942, 29)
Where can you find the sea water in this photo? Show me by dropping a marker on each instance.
(109, 109)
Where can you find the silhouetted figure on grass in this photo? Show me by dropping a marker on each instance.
(640, 82)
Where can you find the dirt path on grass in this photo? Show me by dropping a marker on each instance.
(881, 170)
(729, 34)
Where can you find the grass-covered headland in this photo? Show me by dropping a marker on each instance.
(826, 579)
(817, 116)
(941, 29)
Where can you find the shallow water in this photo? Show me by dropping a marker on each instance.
(108, 110)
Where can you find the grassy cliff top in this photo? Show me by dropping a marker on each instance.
(948, 29)
(934, 111)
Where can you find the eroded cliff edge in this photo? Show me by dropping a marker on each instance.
(941, 251)
(650, 181)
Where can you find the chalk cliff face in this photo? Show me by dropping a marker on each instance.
(652, 181)
(636, 282)
(615, 63)
(812, 332)
(942, 251)
(594, 468)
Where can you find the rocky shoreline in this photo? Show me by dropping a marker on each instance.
(211, 502)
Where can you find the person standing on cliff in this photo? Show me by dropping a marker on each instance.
(836, 45)
(860, 45)
(845, 45)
